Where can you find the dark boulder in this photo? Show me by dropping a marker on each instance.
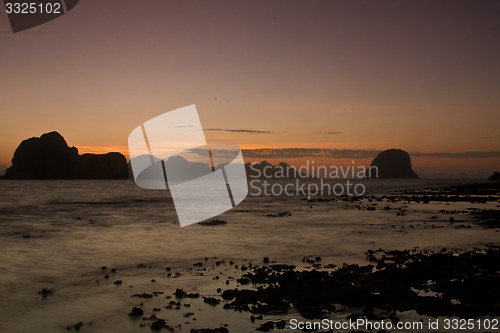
(136, 312)
(213, 222)
(50, 157)
(391, 163)
(266, 327)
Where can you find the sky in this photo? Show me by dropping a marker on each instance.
(350, 78)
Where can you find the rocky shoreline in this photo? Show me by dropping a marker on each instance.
(381, 281)
(445, 283)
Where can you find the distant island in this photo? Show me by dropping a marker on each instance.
(50, 157)
(391, 163)
(182, 169)
(261, 169)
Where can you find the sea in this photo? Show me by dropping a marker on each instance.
(67, 235)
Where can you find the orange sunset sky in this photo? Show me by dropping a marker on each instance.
(349, 77)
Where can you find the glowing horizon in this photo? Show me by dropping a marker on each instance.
(425, 166)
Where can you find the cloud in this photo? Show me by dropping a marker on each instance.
(238, 130)
(330, 133)
(469, 154)
(217, 151)
(101, 149)
(309, 152)
(264, 153)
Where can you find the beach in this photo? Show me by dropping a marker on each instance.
(81, 255)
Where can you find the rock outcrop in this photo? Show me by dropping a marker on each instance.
(391, 163)
(265, 169)
(49, 157)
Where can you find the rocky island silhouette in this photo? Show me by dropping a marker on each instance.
(50, 157)
(392, 163)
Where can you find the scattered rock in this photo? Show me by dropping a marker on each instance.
(281, 214)
(393, 286)
(136, 312)
(143, 295)
(46, 292)
(209, 330)
(211, 300)
(280, 324)
(213, 222)
(76, 326)
(179, 293)
(159, 324)
(266, 327)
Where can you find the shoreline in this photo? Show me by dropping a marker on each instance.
(337, 230)
(243, 296)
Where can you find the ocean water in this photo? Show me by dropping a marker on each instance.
(58, 234)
